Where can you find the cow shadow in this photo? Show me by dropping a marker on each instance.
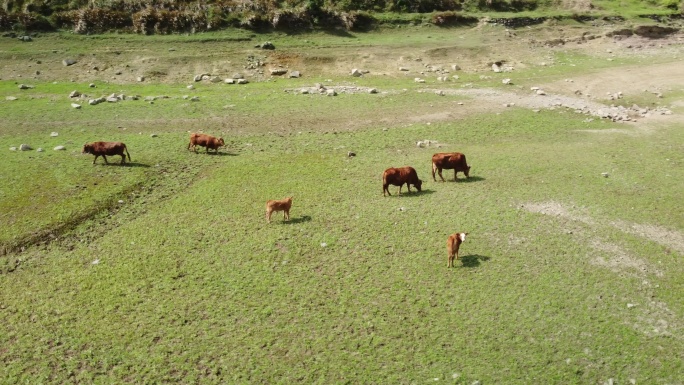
(216, 153)
(473, 260)
(462, 179)
(413, 193)
(302, 219)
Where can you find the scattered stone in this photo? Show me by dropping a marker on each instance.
(506, 81)
(68, 62)
(266, 45)
(496, 68)
(25, 87)
(323, 244)
(95, 262)
(356, 73)
(40, 149)
(195, 99)
(59, 148)
(25, 147)
(190, 87)
(200, 77)
(13, 149)
(92, 85)
(11, 98)
(76, 105)
(242, 81)
(25, 38)
(331, 92)
(54, 134)
(541, 92)
(403, 69)
(278, 71)
(419, 80)
(455, 67)
(153, 135)
(74, 94)
(238, 76)
(118, 72)
(630, 305)
(439, 92)
(372, 91)
(604, 174)
(294, 74)
(351, 154)
(227, 81)
(112, 99)
(216, 79)
(140, 78)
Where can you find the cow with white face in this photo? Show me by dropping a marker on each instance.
(453, 244)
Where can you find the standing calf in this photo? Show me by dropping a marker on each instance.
(449, 161)
(453, 243)
(205, 140)
(279, 205)
(106, 148)
(399, 176)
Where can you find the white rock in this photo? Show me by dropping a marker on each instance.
(419, 80)
(25, 147)
(403, 69)
(92, 85)
(191, 87)
(59, 148)
(541, 92)
(372, 91)
(75, 105)
(40, 149)
(54, 134)
(227, 81)
(331, 92)
(455, 67)
(95, 262)
(140, 78)
(153, 135)
(11, 98)
(506, 81)
(13, 149)
(242, 81)
(323, 244)
(356, 73)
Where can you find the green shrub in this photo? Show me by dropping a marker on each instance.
(289, 19)
(451, 18)
(98, 20)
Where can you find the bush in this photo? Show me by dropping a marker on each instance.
(100, 20)
(291, 19)
(30, 22)
(150, 20)
(450, 18)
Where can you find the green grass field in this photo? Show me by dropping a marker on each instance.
(567, 276)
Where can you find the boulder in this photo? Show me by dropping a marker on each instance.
(25, 87)
(242, 81)
(294, 74)
(216, 79)
(140, 78)
(238, 76)
(331, 92)
(229, 81)
(372, 91)
(59, 148)
(25, 147)
(76, 105)
(11, 98)
(278, 71)
(74, 94)
(91, 85)
(356, 73)
(54, 134)
(68, 62)
(455, 67)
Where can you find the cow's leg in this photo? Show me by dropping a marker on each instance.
(408, 186)
(286, 215)
(400, 186)
(95, 159)
(123, 158)
(105, 158)
(268, 215)
(455, 174)
(385, 188)
(440, 174)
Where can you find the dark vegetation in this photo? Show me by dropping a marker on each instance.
(167, 16)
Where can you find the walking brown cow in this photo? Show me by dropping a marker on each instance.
(106, 148)
(399, 176)
(205, 140)
(448, 161)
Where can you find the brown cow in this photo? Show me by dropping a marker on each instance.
(453, 243)
(106, 148)
(448, 161)
(205, 140)
(399, 176)
(283, 205)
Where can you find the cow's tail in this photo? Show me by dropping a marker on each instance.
(434, 168)
(129, 155)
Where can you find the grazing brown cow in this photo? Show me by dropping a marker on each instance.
(106, 148)
(399, 176)
(448, 161)
(205, 140)
(453, 243)
(283, 205)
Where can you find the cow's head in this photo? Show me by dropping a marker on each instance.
(221, 142)
(467, 171)
(87, 149)
(418, 184)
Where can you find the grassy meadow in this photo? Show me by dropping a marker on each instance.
(165, 270)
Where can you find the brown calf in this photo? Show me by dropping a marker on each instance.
(279, 205)
(453, 243)
(448, 161)
(106, 148)
(399, 176)
(205, 140)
